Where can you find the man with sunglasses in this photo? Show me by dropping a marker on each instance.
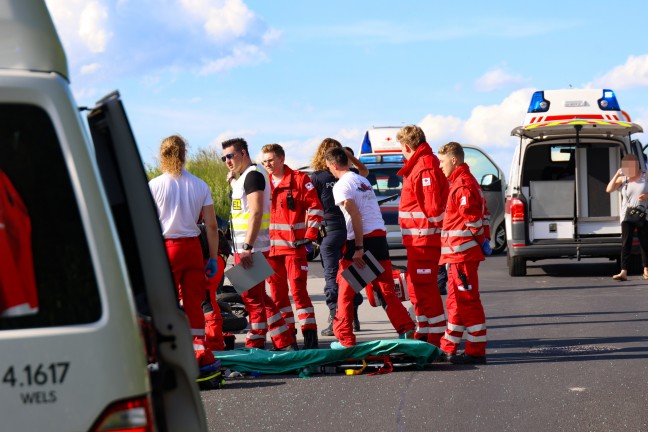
(295, 218)
(250, 216)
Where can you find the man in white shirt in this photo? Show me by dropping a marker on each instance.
(365, 233)
(180, 198)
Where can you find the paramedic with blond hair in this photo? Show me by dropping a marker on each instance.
(180, 198)
(420, 215)
(462, 242)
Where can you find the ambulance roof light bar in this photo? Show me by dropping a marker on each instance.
(609, 101)
(539, 103)
(374, 159)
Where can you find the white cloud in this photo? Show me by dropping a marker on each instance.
(93, 26)
(633, 73)
(241, 56)
(222, 20)
(81, 24)
(271, 36)
(497, 78)
(440, 129)
(488, 127)
(90, 68)
(491, 125)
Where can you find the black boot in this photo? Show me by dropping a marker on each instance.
(356, 321)
(328, 331)
(310, 339)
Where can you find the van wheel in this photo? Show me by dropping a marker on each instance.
(516, 266)
(499, 240)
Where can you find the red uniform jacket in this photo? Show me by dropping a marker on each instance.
(18, 295)
(289, 228)
(423, 199)
(463, 230)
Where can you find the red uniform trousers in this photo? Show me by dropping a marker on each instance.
(213, 319)
(422, 272)
(185, 257)
(293, 268)
(465, 311)
(396, 312)
(264, 317)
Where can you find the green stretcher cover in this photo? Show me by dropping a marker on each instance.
(277, 362)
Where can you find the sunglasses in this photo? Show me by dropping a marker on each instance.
(227, 156)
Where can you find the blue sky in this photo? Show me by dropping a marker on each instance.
(295, 72)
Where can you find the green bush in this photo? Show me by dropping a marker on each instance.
(206, 165)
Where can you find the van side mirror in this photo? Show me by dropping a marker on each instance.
(490, 182)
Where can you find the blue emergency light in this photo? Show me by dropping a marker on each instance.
(539, 103)
(369, 159)
(366, 144)
(609, 101)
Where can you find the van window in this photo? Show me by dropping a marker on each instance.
(46, 273)
(480, 165)
(543, 162)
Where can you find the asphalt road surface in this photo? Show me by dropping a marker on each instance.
(567, 351)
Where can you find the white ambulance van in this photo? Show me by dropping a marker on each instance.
(571, 144)
(91, 338)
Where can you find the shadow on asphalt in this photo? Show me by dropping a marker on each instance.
(571, 350)
(572, 269)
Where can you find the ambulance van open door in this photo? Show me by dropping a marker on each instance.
(571, 143)
(90, 332)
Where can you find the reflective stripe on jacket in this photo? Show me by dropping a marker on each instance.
(289, 229)
(240, 212)
(463, 226)
(423, 199)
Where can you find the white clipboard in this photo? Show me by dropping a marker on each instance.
(359, 278)
(242, 279)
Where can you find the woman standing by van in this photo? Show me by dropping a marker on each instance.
(633, 185)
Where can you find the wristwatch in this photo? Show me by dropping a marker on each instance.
(359, 248)
(246, 247)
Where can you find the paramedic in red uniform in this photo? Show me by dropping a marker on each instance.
(180, 198)
(365, 232)
(250, 216)
(295, 219)
(18, 292)
(462, 240)
(420, 214)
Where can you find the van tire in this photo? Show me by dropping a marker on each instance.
(498, 241)
(517, 266)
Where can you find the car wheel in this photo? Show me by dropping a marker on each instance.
(499, 240)
(516, 265)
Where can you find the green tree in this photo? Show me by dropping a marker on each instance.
(206, 165)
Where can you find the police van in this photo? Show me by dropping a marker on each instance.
(571, 144)
(90, 331)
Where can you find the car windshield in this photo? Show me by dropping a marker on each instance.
(385, 181)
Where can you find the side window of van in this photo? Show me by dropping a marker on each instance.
(480, 166)
(46, 273)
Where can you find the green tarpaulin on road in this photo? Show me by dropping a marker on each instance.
(277, 362)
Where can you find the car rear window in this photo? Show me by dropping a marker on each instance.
(46, 273)
(385, 181)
